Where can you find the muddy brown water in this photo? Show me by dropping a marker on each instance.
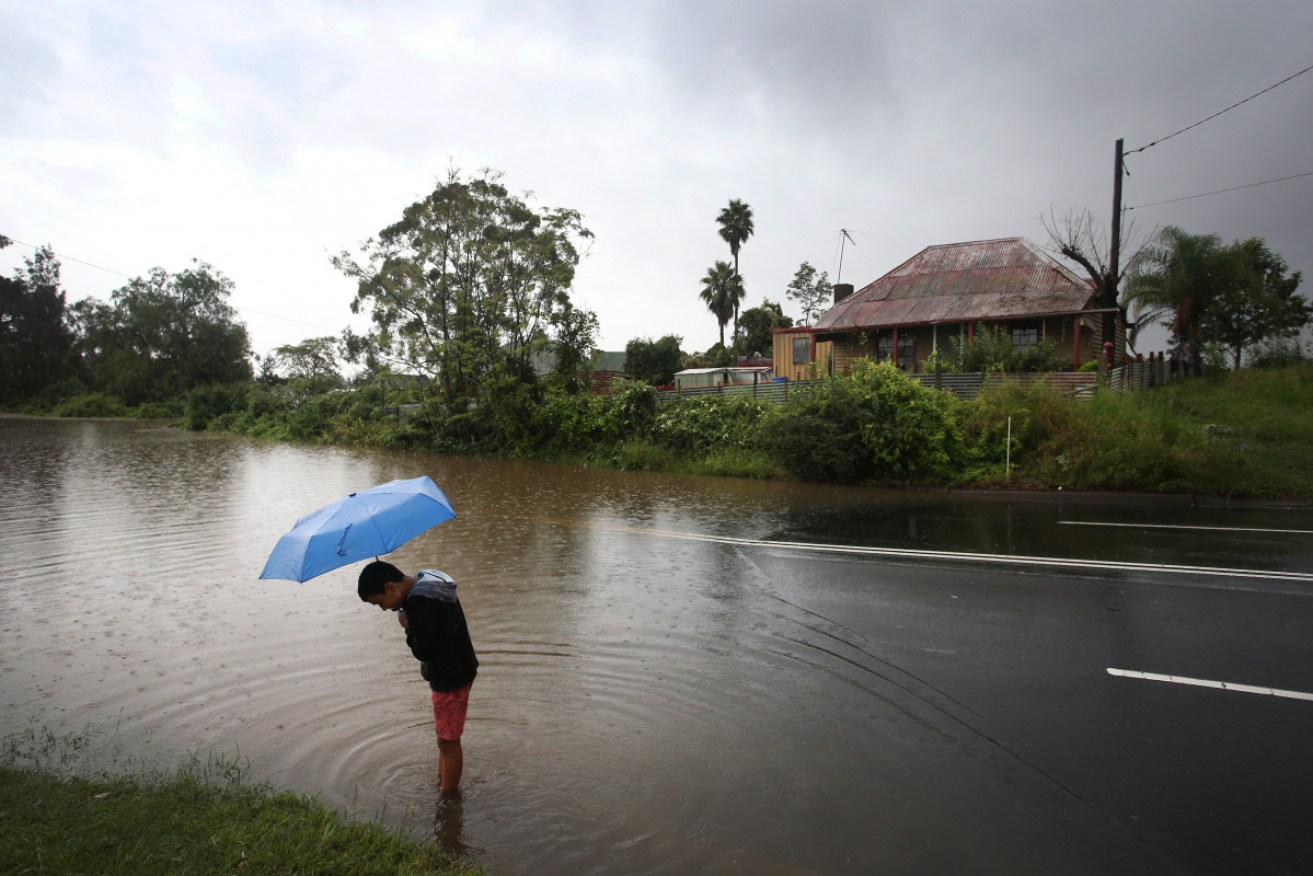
(642, 703)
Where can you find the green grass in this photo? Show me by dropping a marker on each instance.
(60, 815)
(1243, 434)
(184, 825)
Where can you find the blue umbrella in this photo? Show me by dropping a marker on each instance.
(359, 526)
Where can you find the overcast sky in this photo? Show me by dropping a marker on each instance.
(264, 137)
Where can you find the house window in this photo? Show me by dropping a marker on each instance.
(1025, 336)
(884, 346)
(907, 351)
(802, 350)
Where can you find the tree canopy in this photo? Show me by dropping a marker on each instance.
(163, 335)
(654, 361)
(811, 290)
(468, 284)
(314, 360)
(1203, 290)
(1259, 302)
(576, 339)
(755, 326)
(35, 340)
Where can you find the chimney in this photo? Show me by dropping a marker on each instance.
(842, 291)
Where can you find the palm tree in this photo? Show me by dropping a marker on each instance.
(1174, 281)
(722, 289)
(735, 227)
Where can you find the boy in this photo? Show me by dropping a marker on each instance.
(436, 633)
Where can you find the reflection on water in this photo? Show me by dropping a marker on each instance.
(643, 704)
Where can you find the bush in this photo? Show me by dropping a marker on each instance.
(206, 403)
(90, 404)
(1278, 353)
(991, 349)
(632, 409)
(810, 443)
(699, 424)
(910, 430)
(170, 410)
(576, 423)
(1037, 415)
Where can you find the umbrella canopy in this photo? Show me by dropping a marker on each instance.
(356, 527)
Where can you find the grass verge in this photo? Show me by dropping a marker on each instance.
(198, 820)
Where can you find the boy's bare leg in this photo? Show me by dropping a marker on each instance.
(450, 763)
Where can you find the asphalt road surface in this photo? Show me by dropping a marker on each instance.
(1159, 676)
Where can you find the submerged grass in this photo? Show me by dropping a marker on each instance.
(199, 819)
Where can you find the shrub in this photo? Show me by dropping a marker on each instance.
(909, 430)
(1037, 415)
(206, 403)
(1278, 353)
(991, 349)
(169, 410)
(699, 424)
(637, 455)
(576, 423)
(632, 409)
(810, 442)
(90, 404)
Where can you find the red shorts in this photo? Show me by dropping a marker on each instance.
(449, 710)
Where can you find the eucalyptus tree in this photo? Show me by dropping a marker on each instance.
(811, 290)
(313, 361)
(35, 340)
(735, 228)
(162, 335)
(468, 284)
(575, 341)
(722, 289)
(1260, 300)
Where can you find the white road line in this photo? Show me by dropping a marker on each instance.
(1000, 559)
(1220, 685)
(1175, 526)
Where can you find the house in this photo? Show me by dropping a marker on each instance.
(945, 291)
(704, 378)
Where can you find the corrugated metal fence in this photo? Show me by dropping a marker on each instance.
(1078, 384)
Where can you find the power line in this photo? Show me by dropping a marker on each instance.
(130, 277)
(72, 259)
(1220, 191)
(1219, 112)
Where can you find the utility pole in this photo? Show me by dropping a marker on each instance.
(1115, 250)
(1115, 255)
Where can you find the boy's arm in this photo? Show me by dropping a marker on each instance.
(422, 634)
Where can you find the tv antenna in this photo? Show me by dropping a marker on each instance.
(845, 237)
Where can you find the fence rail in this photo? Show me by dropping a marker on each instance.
(1137, 374)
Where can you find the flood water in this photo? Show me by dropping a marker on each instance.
(644, 703)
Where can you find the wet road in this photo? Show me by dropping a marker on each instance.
(1013, 664)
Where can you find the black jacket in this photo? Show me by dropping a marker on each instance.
(439, 639)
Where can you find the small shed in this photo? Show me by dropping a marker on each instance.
(709, 378)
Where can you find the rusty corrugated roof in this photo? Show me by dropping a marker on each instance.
(964, 282)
